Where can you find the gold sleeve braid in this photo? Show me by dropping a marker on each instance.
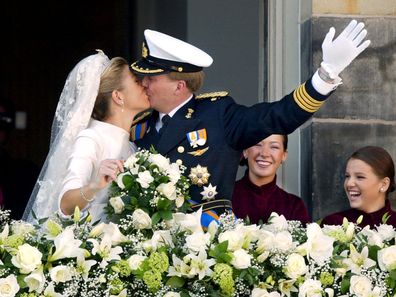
(305, 101)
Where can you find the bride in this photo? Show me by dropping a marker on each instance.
(89, 138)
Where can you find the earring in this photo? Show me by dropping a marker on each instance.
(382, 189)
(122, 105)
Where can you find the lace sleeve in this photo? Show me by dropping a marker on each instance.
(72, 115)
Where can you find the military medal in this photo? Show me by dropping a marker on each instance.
(197, 138)
(199, 175)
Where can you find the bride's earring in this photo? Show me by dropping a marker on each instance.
(122, 105)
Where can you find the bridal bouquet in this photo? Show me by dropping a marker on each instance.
(149, 190)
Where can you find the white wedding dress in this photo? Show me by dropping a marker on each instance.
(78, 143)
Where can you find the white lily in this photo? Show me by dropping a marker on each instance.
(105, 250)
(66, 246)
(356, 261)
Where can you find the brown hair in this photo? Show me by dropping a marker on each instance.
(379, 160)
(110, 80)
(194, 80)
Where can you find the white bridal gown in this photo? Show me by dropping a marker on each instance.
(98, 142)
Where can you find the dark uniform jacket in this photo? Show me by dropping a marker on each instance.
(229, 128)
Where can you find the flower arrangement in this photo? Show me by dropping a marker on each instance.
(179, 258)
(149, 190)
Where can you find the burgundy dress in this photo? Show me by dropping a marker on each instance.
(372, 219)
(258, 203)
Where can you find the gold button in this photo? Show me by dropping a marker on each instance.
(180, 149)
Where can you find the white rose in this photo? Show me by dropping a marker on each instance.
(144, 179)
(295, 266)
(60, 274)
(387, 232)
(283, 241)
(140, 219)
(387, 258)
(278, 222)
(235, 240)
(172, 294)
(257, 292)
(159, 160)
(161, 238)
(130, 162)
(134, 261)
(119, 181)
(21, 228)
(35, 281)
(9, 286)
(117, 204)
(197, 241)
(360, 285)
(241, 259)
(174, 173)
(373, 237)
(168, 190)
(179, 201)
(310, 288)
(27, 258)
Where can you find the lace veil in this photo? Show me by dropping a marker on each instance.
(72, 115)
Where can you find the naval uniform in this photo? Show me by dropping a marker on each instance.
(210, 131)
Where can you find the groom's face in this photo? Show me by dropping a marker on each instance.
(160, 90)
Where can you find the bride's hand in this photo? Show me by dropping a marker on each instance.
(108, 170)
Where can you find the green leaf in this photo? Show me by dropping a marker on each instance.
(392, 274)
(175, 282)
(166, 215)
(345, 283)
(164, 204)
(155, 218)
(127, 180)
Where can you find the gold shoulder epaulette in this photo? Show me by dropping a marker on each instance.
(141, 117)
(213, 96)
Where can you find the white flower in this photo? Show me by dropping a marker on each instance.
(168, 190)
(199, 265)
(360, 285)
(234, 238)
(35, 281)
(53, 229)
(197, 241)
(241, 259)
(61, 273)
(83, 267)
(310, 288)
(356, 261)
(258, 292)
(9, 286)
(387, 258)
(373, 237)
(161, 238)
(50, 292)
(66, 246)
(144, 179)
(112, 231)
(318, 245)
(387, 232)
(209, 192)
(174, 173)
(21, 228)
(265, 242)
(283, 241)
(179, 201)
(295, 266)
(159, 160)
(278, 222)
(117, 204)
(97, 230)
(141, 220)
(130, 162)
(134, 261)
(105, 250)
(120, 181)
(189, 221)
(27, 258)
(172, 294)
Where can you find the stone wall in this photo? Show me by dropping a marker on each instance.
(361, 112)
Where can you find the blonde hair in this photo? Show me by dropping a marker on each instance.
(194, 80)
(110, 80)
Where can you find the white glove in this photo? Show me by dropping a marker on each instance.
(339, 53)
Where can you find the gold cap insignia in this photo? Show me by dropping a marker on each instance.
(144, 50)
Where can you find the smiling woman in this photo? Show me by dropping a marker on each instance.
(256, 195)
(369, 178)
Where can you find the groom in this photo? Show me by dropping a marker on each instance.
(208, 132)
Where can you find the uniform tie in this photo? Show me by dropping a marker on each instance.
(165, 120)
